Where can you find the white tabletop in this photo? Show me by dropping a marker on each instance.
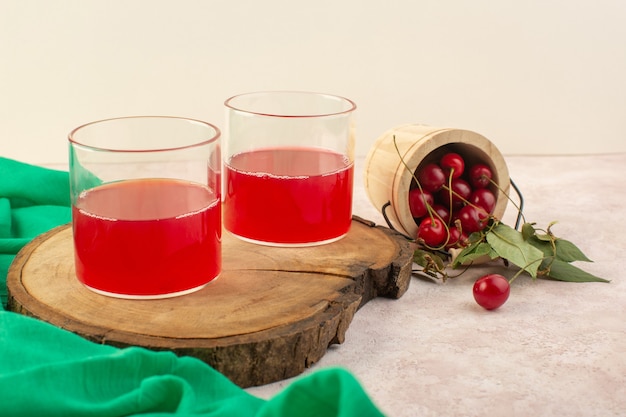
(554, 349)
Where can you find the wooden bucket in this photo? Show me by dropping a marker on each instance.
(387, 179)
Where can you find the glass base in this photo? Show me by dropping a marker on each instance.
(149, 296)
(289, 245)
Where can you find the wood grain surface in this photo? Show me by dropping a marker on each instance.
(271, 313)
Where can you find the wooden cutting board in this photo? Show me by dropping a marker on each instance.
(272, 312)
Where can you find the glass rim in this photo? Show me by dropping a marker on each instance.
(215, 136)
(352, 105)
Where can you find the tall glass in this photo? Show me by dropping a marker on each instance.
(146, 210)
(289, 167)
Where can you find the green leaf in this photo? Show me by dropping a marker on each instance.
(509, 244)
(471, 253)
(565, 250)
(475, 237)
(564, 271)
(425, 259)
(528, 231)
(544, 237)
(568, 252)
(545, 247)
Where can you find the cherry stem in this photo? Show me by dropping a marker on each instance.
(431, 213)
(518, 207)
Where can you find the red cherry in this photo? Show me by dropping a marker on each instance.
(470, 219)
(480, 176)
(491, 291)
(452, 164)
(483, 198)
(443, 212)
(456, 238)
(431, 177)
(432, 231)
(461, 188)
(419, 201)
(459, 192)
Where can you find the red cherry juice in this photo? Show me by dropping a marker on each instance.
(147, 238)
(288, 196)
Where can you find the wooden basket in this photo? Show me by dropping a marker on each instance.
(387, 180)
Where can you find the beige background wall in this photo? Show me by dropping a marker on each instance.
(533, 76)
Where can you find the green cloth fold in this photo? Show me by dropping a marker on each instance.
(33, 200)
(48, 371)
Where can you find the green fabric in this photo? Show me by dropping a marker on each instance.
(32, 201)
(47, 371)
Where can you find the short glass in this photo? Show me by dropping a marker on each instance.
(288, 167)
(146, 212)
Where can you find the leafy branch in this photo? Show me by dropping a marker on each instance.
(541, 255)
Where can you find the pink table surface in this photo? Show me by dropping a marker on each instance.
(554, 349)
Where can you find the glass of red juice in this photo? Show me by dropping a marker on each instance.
(288, 167)
(146, 205)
